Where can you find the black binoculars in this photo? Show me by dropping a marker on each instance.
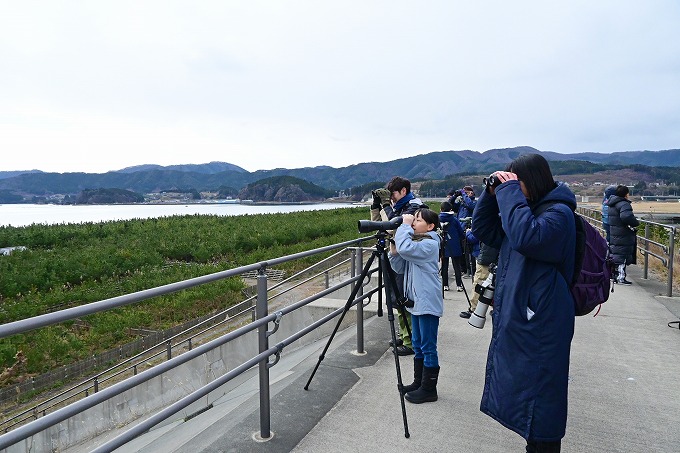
(491, 181)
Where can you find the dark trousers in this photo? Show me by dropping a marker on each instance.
(543, 447)
(457, 269)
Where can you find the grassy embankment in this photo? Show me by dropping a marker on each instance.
(75, 264)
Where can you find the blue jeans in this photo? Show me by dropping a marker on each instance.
(424, 338)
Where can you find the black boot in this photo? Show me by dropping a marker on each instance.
(417, 376)
(427, 392)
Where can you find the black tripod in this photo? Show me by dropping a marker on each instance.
(385, 272)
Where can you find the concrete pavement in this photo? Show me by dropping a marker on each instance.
(624, 393)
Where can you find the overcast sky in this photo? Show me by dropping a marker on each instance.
(101, 85)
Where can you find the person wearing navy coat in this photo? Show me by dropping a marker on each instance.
(526, 381)
(453, 234)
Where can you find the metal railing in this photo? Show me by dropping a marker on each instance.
(260, 323)
(664, 252)
(177, 343)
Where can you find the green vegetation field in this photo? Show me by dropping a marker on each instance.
(74, 264)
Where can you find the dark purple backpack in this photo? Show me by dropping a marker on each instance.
(591, 282)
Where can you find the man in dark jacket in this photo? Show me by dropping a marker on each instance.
(453, 235)
(463, 202)
(395, 200)
(623, 238)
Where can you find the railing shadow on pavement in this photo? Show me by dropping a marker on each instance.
(91, 393)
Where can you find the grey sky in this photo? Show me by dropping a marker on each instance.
(101, 85)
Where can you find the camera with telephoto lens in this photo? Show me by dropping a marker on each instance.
(485, 291)
(491, 181)
(366, 226)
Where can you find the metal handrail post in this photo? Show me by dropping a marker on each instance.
(358, 257)
(263, 345)
(646, 268)
(353, 266)
(671, 257)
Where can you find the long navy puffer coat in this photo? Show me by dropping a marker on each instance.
(525, 387)
(622, 238)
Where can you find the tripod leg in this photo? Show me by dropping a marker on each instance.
(466, 296)
(390, 293)
(348, 305)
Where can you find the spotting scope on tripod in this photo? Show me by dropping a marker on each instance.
(395, 300)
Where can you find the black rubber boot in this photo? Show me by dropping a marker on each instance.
(417, 376)
(427, 392)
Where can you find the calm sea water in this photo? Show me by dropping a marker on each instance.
(27, 214)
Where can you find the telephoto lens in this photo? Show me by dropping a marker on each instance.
(485, 291)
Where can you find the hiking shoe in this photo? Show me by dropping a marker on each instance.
(465, 314)
(404, 350)
(459, 289)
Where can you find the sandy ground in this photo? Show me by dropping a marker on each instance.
(657, 207)
(662, 207)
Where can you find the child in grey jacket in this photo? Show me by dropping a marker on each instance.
(415, 253)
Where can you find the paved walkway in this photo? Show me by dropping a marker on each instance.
(624, 393)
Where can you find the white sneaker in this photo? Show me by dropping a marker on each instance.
(459, 289)
(446, 288)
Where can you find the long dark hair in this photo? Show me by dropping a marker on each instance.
(534, 171)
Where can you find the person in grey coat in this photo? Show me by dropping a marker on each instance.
(623, 240)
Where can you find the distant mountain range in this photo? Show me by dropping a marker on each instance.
(215, 176)
(209, 168)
